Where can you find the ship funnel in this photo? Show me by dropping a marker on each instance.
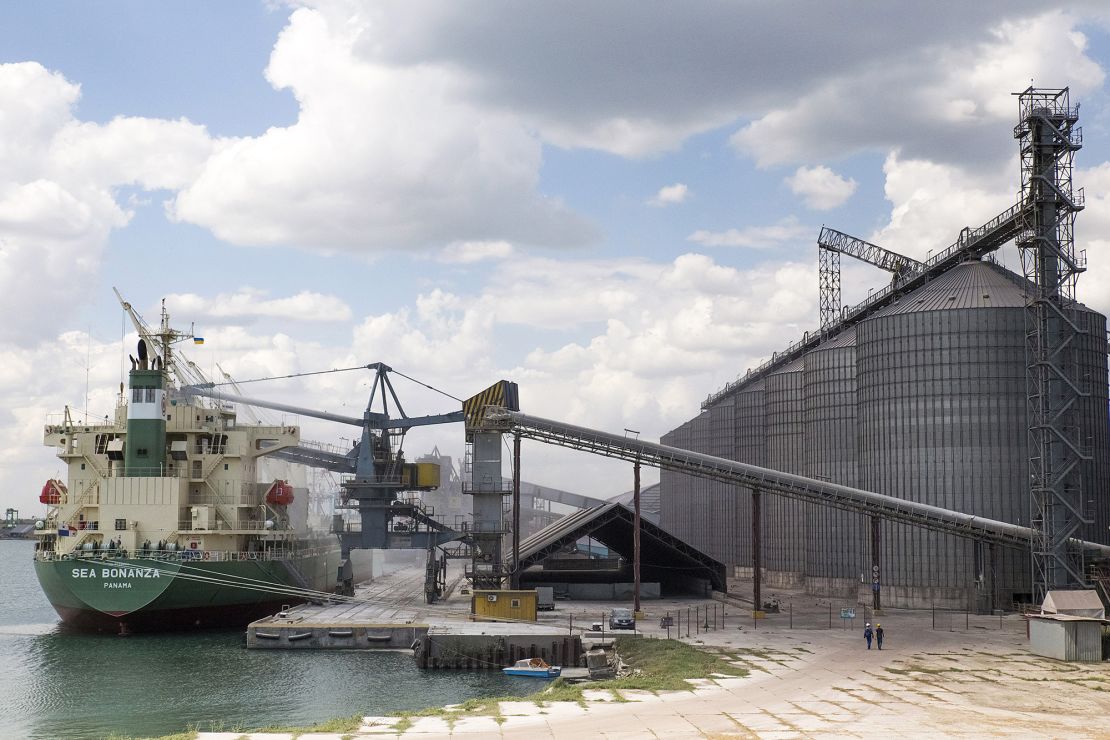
(145, 447)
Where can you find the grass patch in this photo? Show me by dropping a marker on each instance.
(663, 665)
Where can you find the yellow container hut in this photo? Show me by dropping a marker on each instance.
(503, 605)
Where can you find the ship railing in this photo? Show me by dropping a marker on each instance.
(171, 471)
(224, 499)
(185, 555)
(187, 525)
(56, 423)
(228, 517)
(264, 431)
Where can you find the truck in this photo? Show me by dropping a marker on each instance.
(545, 598)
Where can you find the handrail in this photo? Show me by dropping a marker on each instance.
(183, 554)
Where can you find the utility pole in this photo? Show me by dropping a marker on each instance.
(514, 577)
(636, 537)
(757, 557)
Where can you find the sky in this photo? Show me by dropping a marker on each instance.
(615, 205)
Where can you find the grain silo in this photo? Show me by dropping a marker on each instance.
(835, 552)
(942, 419)
(785, 533)
(924, 399)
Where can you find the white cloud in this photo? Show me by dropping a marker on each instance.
(945, 100)
(821, 188)
(252, 303)
(57, 191)
(380, 157)
(469, 252)
(932, 202)
(669, 195)
(1092, 235)
(755, 237)
(671, 72)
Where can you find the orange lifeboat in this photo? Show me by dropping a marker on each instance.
(280, 494)
(52, 492)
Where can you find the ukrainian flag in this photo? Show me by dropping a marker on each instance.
(198, 340)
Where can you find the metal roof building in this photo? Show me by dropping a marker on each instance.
(666, 559)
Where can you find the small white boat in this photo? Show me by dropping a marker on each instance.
(535, 667)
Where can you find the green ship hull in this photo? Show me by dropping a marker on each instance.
(152, 593)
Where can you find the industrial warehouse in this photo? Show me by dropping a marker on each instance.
(961, 385)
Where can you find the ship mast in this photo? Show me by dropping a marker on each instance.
(164, 338)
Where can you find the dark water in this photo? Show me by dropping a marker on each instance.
(59, 685)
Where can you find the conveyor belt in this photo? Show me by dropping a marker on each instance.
(772, 481)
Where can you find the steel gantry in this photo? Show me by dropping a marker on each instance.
(830, 245)
(378, 473)
(1058, 454)
(972, 244)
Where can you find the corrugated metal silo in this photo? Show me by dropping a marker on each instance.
(836, 552)
(1096, 482)
(751, 447)
(784, 535)
(700, 510)
(676, 488)
(942, 420)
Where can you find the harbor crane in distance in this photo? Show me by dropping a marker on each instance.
(830, 245)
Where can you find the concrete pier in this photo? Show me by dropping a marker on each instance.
(391, 615)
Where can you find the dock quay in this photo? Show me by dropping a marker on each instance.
(385, 617)
(390, 615)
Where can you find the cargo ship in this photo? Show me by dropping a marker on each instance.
(166, 520)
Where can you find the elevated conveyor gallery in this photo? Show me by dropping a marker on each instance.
(772, 481)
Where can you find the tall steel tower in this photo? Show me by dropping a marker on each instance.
(1058, 452)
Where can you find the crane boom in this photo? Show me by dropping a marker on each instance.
(830, 245)
(370, 420)
(872, 254)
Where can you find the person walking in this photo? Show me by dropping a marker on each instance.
(879, 635)
(867, 633)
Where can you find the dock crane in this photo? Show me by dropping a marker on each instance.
(830, 245)
(379, 476)
(379, 473)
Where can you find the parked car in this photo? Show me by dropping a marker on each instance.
(622, 619)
